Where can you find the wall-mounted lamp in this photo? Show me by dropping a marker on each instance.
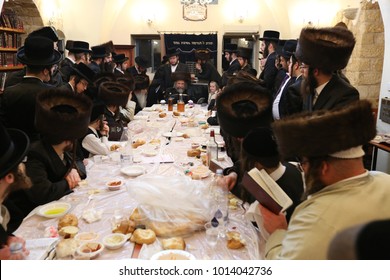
(149, 21)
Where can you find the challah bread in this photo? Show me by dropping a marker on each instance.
(68, 220)
(174, 243)
(143, 236)
(234, 240)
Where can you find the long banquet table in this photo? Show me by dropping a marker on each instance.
(170, 162)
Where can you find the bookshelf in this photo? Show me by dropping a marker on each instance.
(11, 29)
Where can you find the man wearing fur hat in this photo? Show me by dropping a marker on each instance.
(340, 192)
(241, 107)
(325, 51)
(163, 77)
(114, 95)
(13, 149)
(181, 81)
(205, 69)
(18, 105)
(61, 118)
(140, 93)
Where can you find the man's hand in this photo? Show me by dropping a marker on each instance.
(231, 180)
(73, 178)
(271, 221)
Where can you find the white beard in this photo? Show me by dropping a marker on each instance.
(141, 98)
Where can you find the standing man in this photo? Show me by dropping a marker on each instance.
(243, 56)
(269, 43)
(13, 149)
(78, 52)
(163, 77)
(234, 66)
(325, 51)
(340, 192)
(97, 59)
(18, 105)
(121, 63)
(139, 68)
(205, 69)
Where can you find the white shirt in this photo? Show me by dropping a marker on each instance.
(275, 106)
(173, 68)
(95, 145)
(4, 217)
(318, 91)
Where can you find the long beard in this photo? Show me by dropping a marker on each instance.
(180, 90)
(309, 84)
(69, 147)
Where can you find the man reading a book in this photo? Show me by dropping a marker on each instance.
(340, 191)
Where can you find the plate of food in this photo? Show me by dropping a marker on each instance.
(90, 250)
(173, 255)
(114, 185)
(133, 170)
(201, 171)
(54, 209)
(114, 241)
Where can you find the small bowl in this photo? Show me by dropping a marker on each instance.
(86, 236)
(90, 249)
(54, 209)
(114, 185)
(173, 255)
(114, 241)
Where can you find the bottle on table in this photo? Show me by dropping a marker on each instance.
(219, 195)
(212, 148)
(180, 103)
(126, 150)
(170, 104)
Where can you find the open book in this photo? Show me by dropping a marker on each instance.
(266, 191)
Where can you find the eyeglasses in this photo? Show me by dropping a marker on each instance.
(301, 164)
(303, 66)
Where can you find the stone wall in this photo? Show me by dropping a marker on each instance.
(365, 66)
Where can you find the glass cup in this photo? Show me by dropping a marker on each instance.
(212, 234)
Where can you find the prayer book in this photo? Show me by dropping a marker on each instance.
(266, 191)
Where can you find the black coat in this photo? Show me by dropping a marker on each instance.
(94, 67)
(66, 67)
(47, 173)
(209, 73)
(115, 125)
(133, 71)
(336, 94)
(18, 106)
(291, 99)
(234, 67)
(268, 75)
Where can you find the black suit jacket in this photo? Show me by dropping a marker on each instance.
(66, 67)
(268, 75)
(94, 67)
(210, 73)
(291, 99)
(234, 67)
(336, 94)
(18, 106)
(47, 173)
(133, 71)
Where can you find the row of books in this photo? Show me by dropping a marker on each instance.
(8, 59)
(10, 20)
(10, 40)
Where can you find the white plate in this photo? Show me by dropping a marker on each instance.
(174, 134)
(173, 255)
(150, 153)
(114, 241)
(133, 171)
(54, 209)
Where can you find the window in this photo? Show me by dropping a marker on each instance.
(148, 46)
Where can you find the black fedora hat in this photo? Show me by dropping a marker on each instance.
(38, 51)
(141, 61)
(172, 52)
(270, 35)
(232, 48)
(14, 144)
(244, 52)
(97, 110)
(69, 44)
(47, 31)
(119, 58)
(202, 54)
(98, 52)
(289, 48)
(79, 47)
(84, 72)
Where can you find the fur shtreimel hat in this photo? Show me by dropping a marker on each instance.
(141, 82)
(181, 76)
(242, 107)
(109, 46)
(125, 79)
(325, 48)
(260, 143)
(322, 133)
(62, 115)
(114, 93)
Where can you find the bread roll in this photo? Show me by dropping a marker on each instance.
(68, 231)
(125, 227)
(176, 113)
(174, 243)
(143, 236)
(68, 220)
(66, 248)
(234, 240)
(162, 115)
(137, 143)
(193, 153)
(114, 147)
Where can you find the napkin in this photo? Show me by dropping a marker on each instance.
(41, 248)
(253, 214)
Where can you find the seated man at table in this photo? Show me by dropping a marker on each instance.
(181, 80)
(13, 149)
(340, 191)
(205, 69)
(61, 118)
(95, 142)
(140, 93)
(115, 95)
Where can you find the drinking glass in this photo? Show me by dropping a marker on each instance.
(212, 234)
